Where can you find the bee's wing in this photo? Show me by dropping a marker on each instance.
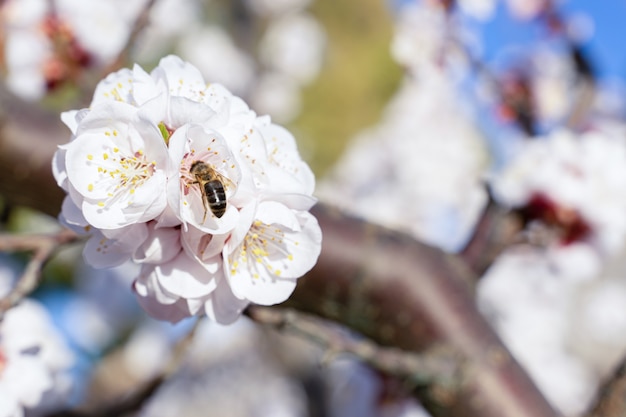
(228, 184)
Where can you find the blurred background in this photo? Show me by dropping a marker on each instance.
(414, 114)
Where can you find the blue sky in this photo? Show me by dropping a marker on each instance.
(606, 48)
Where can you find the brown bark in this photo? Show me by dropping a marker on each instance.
(402, 293)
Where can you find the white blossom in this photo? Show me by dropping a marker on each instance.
(34, 359)
(479, 9)
(420, 35)
(46, 46)
(294, 45)
(182, 177)
(218, 58)
(581, 174)
(528, 300)
(263, 259)
(278, 95)
(420, 170)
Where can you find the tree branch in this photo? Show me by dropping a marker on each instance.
(42, 246)
(402, 293)
(495, 231)
(435, 366)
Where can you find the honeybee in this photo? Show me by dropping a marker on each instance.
(212, 188)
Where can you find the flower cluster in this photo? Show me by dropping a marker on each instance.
(182, 177)
(34, 359)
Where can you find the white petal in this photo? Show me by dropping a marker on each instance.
(105, 252)
(292, 174)
(222, 306)
(185, 277)
(117, 86)
(162, 245)
(201, 245)
(173, 312)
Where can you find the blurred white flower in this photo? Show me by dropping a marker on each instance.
(553, 85)
(230, 371)
(34, 359)
(218, 58)
(529, 301)
(574, 181)
(420, 170)
(277, 95)
(479, 9)
(294, 45)
(527, 9)
(420, 36)
(47, 46)
(169, 20)
(598, 324)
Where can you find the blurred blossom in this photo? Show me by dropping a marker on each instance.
(218, 58)
(294, 46)
(420, 170)
(528, 301)
(598, 320)
(572, 183)
(553, 85)
(169, 20)
(34, 360)
(527, 9)
(420, 35)
(479, 9)
(278, 95)
(231, 371)
(46, 46)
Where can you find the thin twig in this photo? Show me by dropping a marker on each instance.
(42, 246)
(431, 366)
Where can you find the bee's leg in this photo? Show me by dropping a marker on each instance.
(205, 204)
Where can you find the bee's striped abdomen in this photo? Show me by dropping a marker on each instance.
(216, 197)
